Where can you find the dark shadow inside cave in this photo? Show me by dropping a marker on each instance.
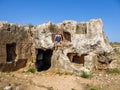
(10, 50)
(67, 36)
(73, 57)
(43, 59)
(78, 59)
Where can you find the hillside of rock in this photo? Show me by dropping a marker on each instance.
(86, 47)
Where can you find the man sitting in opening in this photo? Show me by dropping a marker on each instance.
(58, 40)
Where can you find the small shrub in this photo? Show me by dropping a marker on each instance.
(113, 71)
(86, 75)
(50, 88)
(32, 60)
(91, 87)
(73, 89)
(94, 88)
(59, 73)
(32, 70)
(68, 73)
(63, 73)
(116, 51)
(30, 25)
(117, 43)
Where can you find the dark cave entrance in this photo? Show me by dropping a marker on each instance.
(11, 54)
(73, 57)
(43, 59)
(67, 36)
(78, 59)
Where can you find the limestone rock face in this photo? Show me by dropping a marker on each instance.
(15, 46)
(85, 45)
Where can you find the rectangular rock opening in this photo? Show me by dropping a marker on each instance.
(73, 57)
(43, 59)
(10, 50)
(78, 59)
(67, 36)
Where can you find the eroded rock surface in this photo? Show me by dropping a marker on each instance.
(85, 45)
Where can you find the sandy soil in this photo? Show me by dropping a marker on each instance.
(54, 81)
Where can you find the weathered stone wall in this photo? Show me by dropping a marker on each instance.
(85, 41)
(85, 38)
(19, 36)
